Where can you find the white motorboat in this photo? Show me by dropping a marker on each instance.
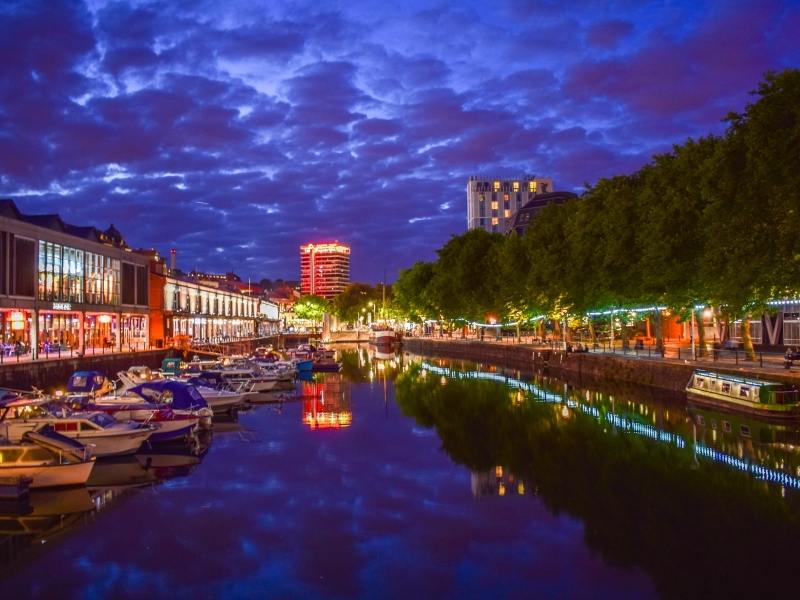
(220, 401)
(247, 380)
(104, 434)
(181, 398)
(47, 458)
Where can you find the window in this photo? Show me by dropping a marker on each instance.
(756, 331)
(24, 268)
(791, 332)
(744, 430)
(506, 213)
(128, 283)
(544, 188)
(506, 197)
(496, 186)
(700, 420)
(532, 186)
(744, 391)
(713, 424)
(494, 221)
(515, 187)
(494, 205)
(726, 387)
(726, 426)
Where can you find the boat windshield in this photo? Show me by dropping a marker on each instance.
(102, 419)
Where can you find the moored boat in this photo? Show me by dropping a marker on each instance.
(768, 399)
(47, 458)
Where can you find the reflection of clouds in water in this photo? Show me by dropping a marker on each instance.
(375, 509)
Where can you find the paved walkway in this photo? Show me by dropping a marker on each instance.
(673, 352)
(63, 354)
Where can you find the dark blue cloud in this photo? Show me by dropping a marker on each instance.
(236, 131)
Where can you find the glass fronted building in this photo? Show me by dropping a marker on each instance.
(68, 288)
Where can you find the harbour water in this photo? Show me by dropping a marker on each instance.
(404, 476)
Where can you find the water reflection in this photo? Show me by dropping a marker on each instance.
(326, 402)
(44, 515)
(692, 507)
(449, 480)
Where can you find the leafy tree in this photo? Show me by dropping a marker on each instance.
(311, 308)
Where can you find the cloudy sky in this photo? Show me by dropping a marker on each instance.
(237, 130)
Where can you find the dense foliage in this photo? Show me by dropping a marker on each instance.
(715, 222)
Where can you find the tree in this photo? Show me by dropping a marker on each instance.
(311, 308)
(411, 293)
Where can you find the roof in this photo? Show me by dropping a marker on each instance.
(524, 215)
(53, 222)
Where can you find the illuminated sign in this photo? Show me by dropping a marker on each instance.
(62, 306)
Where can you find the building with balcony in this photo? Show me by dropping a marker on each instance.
(493, 202)
(324, 268)
(65, 287)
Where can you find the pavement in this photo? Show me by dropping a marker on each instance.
(674, 352)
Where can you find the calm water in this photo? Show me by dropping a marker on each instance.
(412, 477)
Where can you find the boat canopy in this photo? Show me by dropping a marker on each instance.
(177, 394)
(85, 381)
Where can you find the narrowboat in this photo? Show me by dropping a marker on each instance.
(768, 399)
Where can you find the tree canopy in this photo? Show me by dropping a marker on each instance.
(715, 220)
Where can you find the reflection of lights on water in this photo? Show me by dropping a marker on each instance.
(443, 380)
(521, 488)
(622, 423)
(501, 489)
(498, 471)
(564, 411)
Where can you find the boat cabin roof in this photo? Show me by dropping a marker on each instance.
(736, 379)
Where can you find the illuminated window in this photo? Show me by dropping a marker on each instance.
(494, 205)
(516, 186)
(496, 186)
(506, 197)
(507, 213)
(494, 221)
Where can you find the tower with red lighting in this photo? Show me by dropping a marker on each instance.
(324, 268)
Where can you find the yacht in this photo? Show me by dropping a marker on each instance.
(220, 401)
(181, 398)
(104, 434)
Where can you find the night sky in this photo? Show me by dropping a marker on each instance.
(235, 131)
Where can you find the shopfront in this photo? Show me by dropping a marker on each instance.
(67, 288)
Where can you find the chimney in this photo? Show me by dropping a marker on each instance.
(173, 260)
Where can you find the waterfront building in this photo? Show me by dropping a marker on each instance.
(493, 202)
(519, 223)
(200, 311)
(324, 268)
(67, 288)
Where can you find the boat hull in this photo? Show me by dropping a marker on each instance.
(765, 411)
(45, 476)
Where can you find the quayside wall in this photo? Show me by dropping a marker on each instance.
(580, 368)
(52, 374)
